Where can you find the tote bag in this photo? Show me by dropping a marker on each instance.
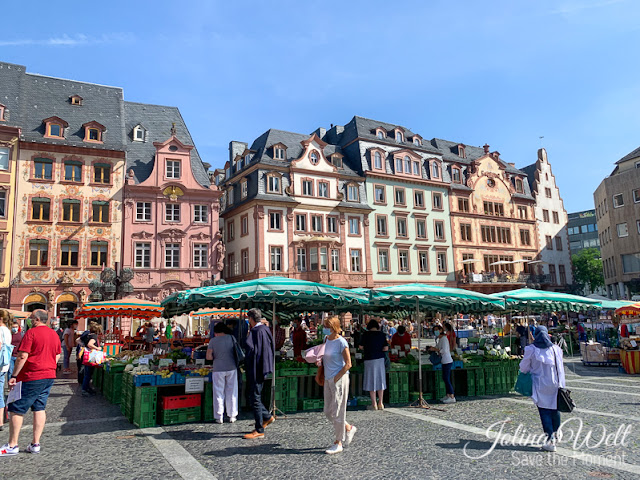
(524, 384)
(315, 354)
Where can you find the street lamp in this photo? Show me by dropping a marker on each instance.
(111, 285)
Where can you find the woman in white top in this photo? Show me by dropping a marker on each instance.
(543, 360)
(5, 339)
(442, 347)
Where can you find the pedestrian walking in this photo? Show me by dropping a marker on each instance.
(258, 364)
(543, 360)
(68, 341)
(91, 342)
(16, 338)
(6, 350)
(35, 367)
(374, 344)
(224, 373)
(333, 375)
(442, 347)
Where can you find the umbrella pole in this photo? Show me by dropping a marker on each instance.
(274, 409)
(421, 402)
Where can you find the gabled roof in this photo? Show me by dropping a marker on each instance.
(629, 156)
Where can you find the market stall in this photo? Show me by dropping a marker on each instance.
(630, 340)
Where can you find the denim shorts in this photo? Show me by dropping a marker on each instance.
(34, 396)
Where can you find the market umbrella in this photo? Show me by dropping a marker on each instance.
(127, 307)
(434, 299)
(269, 292)
(607, 304)
(17, 314)
(545, 301)
(632, 309)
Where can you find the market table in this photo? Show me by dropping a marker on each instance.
(630, 361)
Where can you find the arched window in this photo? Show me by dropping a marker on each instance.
(380, 134)
(417, 142)
(455, 175)
(407, 164)
(519, 186)
(435, 170)
(377, 161)
(313, 158)
(399, 137)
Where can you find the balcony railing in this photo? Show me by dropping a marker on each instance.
(523, 278)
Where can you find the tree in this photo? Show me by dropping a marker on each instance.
(587, 268)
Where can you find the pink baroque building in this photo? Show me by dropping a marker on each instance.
(171, 236)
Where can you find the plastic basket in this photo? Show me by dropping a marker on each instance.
(171, 380)
(144, 380)
(180, 415)
(180, 401)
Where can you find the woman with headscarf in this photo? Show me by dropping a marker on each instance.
(543, 360)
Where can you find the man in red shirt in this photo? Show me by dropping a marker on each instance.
(35, 367)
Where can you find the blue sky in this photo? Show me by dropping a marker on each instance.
(500, 72)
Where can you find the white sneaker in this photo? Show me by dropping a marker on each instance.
(335, 448)
(443, 399)
(33, 448)
(232, 420)
(449, 400)
(350, 434)
(6, 450)
(549, 446)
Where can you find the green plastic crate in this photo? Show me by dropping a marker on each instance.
(180, 415)
(471, 383)
(207, 405)
(480, 383)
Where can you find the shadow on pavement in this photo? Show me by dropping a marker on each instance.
(264, 449)
(483, 446)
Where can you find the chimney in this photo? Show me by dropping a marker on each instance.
(321, 132)
(235, 149)
(486, 148)
(495, 154)
(512, 164)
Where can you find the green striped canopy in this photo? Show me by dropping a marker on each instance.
(433, 298)
(544, 301)
(614, 304)
(288, 293)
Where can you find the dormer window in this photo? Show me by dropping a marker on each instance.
(417, 141)
(76, 100)
(247, 158)
(55, 130)
(377, 161)
(54, 127)
(461, 151)
(399, 137)
(519, 186)
(435, 170)
(278, 153)
(93, 132)
(381, 134)
(2, 109)
(353, 194)
(139, 133)
(456, 176)
(314, 159)
(337, 161)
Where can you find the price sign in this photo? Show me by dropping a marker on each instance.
(165, 362)
(182, 362)
(358, 356)
(143, 361)
(199, 361)
(395, 350)
(402, 354)
(480, 352)
(149, 356)
(194, 385)
(290, 354)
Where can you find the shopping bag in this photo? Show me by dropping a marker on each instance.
(314, 354)
(93, 358)
(524, 384)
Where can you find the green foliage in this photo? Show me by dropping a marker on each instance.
(587, 268)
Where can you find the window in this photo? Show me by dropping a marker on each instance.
(172, 255)
(403, 261)
(143, 211)
(381, 225)
(418, 199)
(307, 188)
(301, 222)
(549, 242)
(383, 260)
(618, 201)
(398, 165)
(244, 261)
(200, 214)
(407, 165)
(143, 255)
(3, 204)
(523, 212)
(55, 130)
(4, 158)
(301, 259)
(323, 189)
(455, 175)
(421, 228)
(230, 198)
(519, 186)
(352, 193)
(231, 265)
(442, 262)
(72, 171)
(638, 225)
(401, 227)
(399, 137)
(332, 225)
(547, 192)
(354, 226)
(552, 272)
(439, 229)
(379, 194)
(467, 266)
(173, 169)
(377, 161)
(335, 260)
(40, 209)
(416, 141)
(38, 253)
(247, 159)
(545, 215)
(630, 263)
(102, 173)
(465, 232)
(313, 259)
(399, 196)
(273, 184)
(380, 134)
(437, 201)
(275, 221)
(356, 265)
(488, 234)
(636, 193)
(337, 161)
(435, 170)
(98, 254)
(231, 231)
(416, 168)
(71, 210)
(244, 225)
(172, 212)
(276, 259)
(93, 134)
(494, 209)
(313, 158)
(525, 237)
(138, 134)
(423, 262)
(556, 217)
(463, 204)
(278, 153)
(324, 260)
(69, 254)
(200, 254)
(43, 169)
(623, 231)
(316, 223)
(243, 189)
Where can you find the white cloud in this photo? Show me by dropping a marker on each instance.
(65, 40)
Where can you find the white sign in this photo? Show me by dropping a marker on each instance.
(165, 362)
(358, 356)
(143, 361)
(194, 385)
(480, 352)
(149, 356)
(290, 354)
(402, 354)
(459, 351)
(199, 361)
(634, 344)
(182, 362)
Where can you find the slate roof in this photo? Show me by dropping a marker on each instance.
(629, 156)
(530, 171)
(157, 121)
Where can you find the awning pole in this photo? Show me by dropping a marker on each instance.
(421, 402)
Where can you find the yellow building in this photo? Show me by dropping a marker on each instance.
(9, 150)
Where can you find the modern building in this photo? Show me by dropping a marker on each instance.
(583, 231)
(551, 217)
(171, 236)
(492, 218)
(70, 171)
(291, 206)
(408, 189)
(617, 201)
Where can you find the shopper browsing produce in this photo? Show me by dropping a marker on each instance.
(224, 376)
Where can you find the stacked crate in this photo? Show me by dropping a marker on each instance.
(112, 386)
(126, 407)
(286, 393)
(144, 406)
(180, 409)
(207, 404)
(398, 387)
(480, 382)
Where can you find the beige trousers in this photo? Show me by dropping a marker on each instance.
(335, 404)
